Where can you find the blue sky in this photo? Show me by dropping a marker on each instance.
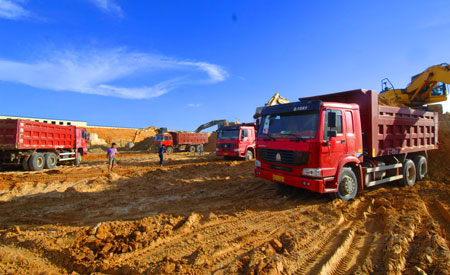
(183, 63)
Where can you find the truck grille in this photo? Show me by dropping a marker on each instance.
(294, 158)
(226, 145)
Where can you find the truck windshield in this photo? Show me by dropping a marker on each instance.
(228, 134)
(302, 125)
(159, 138)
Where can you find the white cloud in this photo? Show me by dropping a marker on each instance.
(98, 72)
(192, 105)
(108, 6)
(11, 9)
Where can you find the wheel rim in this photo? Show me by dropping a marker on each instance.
(347, 185)
(423, 169)
(40, 161)
(53, 161)
(410, 173)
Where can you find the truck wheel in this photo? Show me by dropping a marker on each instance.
(249, 155)
(348, 185)
(78, 159)
(36, 162)
(198, 148)
(421, 167)
(192, 148)
(25, 163)
(409, 173)
(50, 160)
(169, 149)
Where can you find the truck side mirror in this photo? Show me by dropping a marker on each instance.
(332, 133)
(331, 119)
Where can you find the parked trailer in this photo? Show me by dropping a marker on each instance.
(237, 141)
(191, 142)
(344, 142)
(38, 145)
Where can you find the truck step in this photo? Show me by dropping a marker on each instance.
(376, 182)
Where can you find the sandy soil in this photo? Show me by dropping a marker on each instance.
(203, 215)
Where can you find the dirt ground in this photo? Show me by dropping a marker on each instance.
(203, 215)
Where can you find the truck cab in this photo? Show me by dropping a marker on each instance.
(305, 144)
(165, 139)
(81, 141)
(237, 141)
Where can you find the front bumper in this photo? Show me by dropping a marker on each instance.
(316, 185)
(230, 153)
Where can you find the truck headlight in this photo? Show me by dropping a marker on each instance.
(217, 149)
(312, 172)
(236, 150)
(257, 163)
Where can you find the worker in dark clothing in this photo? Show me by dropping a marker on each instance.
(161, 151)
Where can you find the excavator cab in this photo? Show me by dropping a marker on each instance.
(428, 87)
(441, 89)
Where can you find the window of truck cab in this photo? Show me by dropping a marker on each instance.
(291, 125)
(338, 127)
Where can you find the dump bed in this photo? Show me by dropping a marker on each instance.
(19, 134)
(182, 138)
(389, 130)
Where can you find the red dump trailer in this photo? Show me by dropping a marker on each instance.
(181, 140)
(38, 145)
(344, 142)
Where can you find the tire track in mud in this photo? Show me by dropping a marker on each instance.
(329, 253)
(224, 241)
(214, 233)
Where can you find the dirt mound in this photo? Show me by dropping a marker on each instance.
(211, 145)
(121, 136)
(144, 145)
(439, 168)
(106, 240)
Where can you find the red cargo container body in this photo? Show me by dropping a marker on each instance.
(349, 142)
(237, 141)
(181, 140)
(36, 145)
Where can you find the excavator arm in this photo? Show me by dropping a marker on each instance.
(274, 100)
(220, 123)
(425, 88)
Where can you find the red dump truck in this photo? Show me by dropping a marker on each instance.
(344, 142)
(38, 145)
(182, 141)
(237, 141)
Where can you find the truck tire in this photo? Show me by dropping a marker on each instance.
(191, 148)
(347, 185)
(25, 163)
(409, 173)
(198, 148)
(78, 159)
(50, 160)
(421, 167)
(249, 155)
(169, 149)
(36, 162)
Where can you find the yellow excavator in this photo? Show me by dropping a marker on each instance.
(425, 88)
(274, 100)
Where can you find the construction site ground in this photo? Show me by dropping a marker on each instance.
(203, 215)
